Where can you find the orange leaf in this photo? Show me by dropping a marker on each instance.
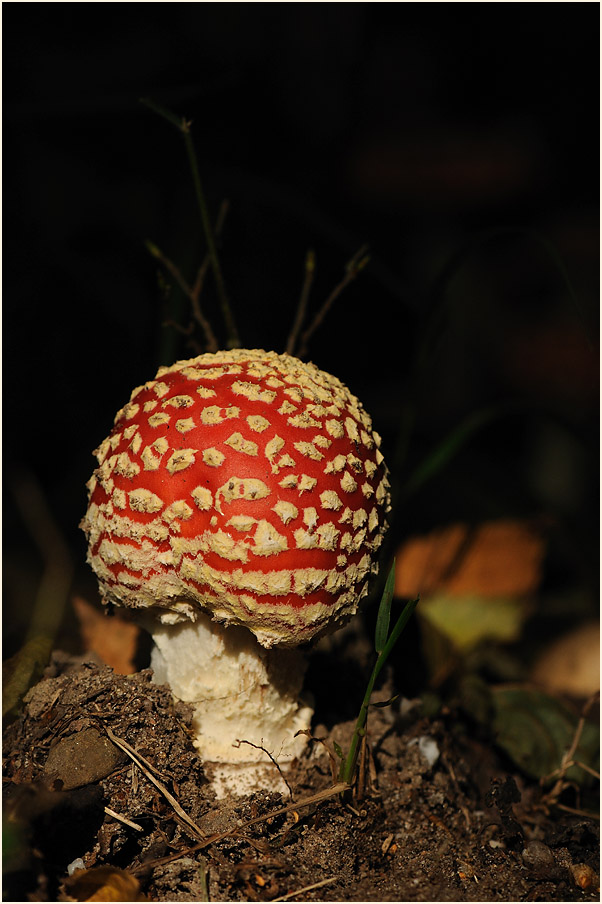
(102, 883)
(497, 558)
(111, 638)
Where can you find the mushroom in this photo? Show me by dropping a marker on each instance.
(239, 504)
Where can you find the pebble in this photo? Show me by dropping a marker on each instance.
(82, 759)
(539, 858)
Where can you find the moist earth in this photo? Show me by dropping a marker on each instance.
(101, 774)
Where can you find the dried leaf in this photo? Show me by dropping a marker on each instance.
(112, 639)
(571, 664)
(535, 730)
(102, 883)
(498, 559)
(468, 620)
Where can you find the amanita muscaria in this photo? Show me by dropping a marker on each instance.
(240, 501)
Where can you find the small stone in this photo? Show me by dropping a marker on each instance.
(82, 759)
(538, 857)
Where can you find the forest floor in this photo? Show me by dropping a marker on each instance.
(101, 774)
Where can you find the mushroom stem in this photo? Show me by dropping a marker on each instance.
(240, 692)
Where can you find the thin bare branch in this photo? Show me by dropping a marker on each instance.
(191, 293)
(150, 772)
(238, 742)
(357, 263)
(300, 891)
(310, 266)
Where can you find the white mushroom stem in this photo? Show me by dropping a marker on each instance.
(240, 692)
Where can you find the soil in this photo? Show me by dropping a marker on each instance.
(441, 816)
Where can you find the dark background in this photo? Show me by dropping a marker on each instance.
(419, 129)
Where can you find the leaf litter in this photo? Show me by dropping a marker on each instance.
(427, 827)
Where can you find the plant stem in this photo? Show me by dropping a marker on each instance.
(348, 769)
(183, 126)
(233, 339)
(310, 266)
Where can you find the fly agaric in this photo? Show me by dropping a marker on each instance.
(240, 501)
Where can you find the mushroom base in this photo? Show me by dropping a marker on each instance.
(246, 700)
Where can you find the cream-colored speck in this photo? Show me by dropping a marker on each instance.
(310, 517)
(248, 488)
(159, 418)
(306, 483)
(352, 431)
(286, 511)
(355, 463)
(242, 523)
(263, 583)
(185, 424)
(308, 580)
(360, 517)
(128, 412)
(180, 460)
(268, 541)
(358, 540)
(337, 464)
(257, 423)
(373, 520)
(309, 450)
(160, 389)
(178, 509)
(240, 444)
(203, 498)
(285, 461)
(328, 536)
(330, 500)
(142, 500)
(125, 466)
(367, 490)
(151, 455)
(370, 468)
(150, 405)
(119, 499)
(305, 540)
(204, 391)
(303, 421)
(226, 547)
(288, 482)
(294, 393)
(367, 439)
(348, 484)
(116, 439)
(253, 392)
(213, 457)
(335, 428)
(273, 447)
(381, 491)
(136, 443)
(129, 431)
(287, 408)
(103, 450)
(322, 441)
(178, 401)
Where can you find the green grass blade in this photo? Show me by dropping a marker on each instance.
(384, 612)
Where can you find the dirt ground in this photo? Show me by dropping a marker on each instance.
(101, 774)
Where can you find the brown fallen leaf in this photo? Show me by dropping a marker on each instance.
(102, 883)
(571, 665)
(111, 638)
(496, 558)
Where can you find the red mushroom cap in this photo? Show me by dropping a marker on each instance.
(246, 483)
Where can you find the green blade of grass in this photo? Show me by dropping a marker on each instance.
(384, 612)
